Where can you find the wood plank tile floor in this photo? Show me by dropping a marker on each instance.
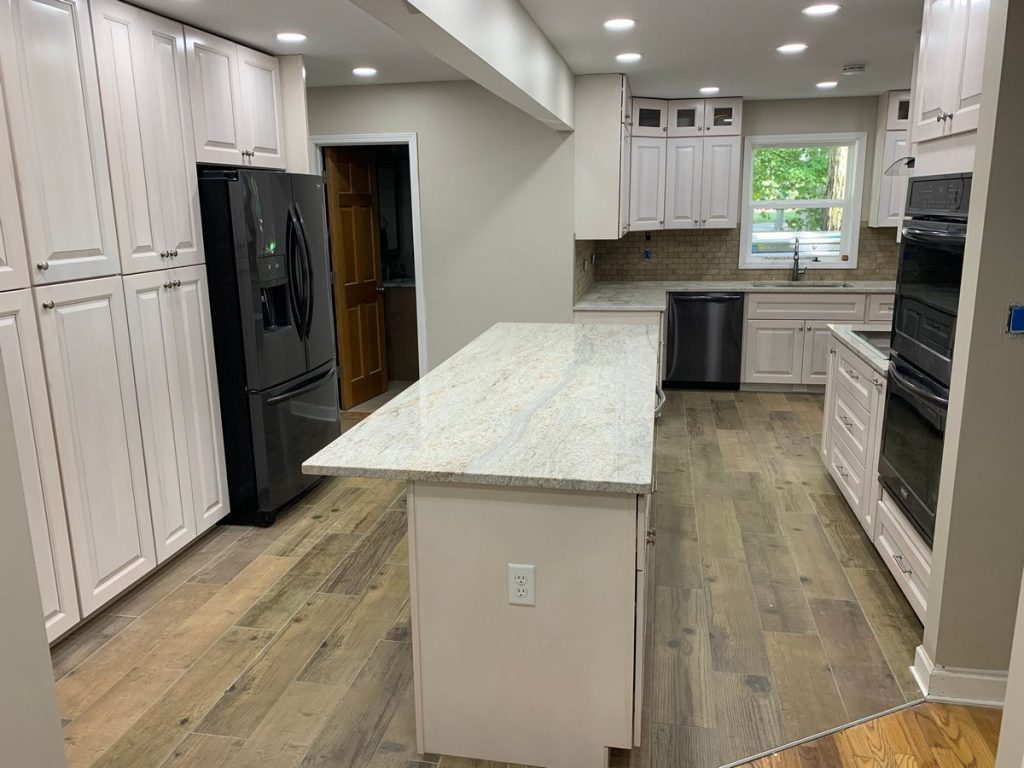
(772, 619)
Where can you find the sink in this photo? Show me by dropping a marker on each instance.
(880, 340)
(801, 284)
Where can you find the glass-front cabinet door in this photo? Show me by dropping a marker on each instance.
(650, 117)
(685, 118)
(898, 116)
(723, 117)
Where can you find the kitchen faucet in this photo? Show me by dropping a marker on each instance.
(795, 274)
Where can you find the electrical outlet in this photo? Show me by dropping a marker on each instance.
(521, 585)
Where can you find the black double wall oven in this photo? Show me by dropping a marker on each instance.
(924, 326)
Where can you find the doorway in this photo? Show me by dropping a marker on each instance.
(370, 213)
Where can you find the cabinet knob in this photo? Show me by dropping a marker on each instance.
(42, 266)
(47, 305)
(700, 127)
(164, 254)
(174, 253)
(177, 283)
(852, 374)
(167, 285)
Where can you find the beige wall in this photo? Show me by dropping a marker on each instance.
(496, 199)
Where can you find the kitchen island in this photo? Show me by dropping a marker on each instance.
(533, 446)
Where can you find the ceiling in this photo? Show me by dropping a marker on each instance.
(687, 44)
(340, 37)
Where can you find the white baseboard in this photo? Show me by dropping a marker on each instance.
(956, 685)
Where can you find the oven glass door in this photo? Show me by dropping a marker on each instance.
(931, 263)
(914, 428)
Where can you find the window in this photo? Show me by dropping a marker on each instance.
(802, 194)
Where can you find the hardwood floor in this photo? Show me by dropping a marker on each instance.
(927, 734)
(772, 619)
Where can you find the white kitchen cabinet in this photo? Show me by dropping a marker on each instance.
(773, 351)
(880, 309)
(906, 554)
(685, 118)
(947, 92)
(48, 72)
(890, 195)
(650, 118)
(817, 341)
(144, 89)
(625, 158)
(169, 325)
(723, 117)
(13, 259)
(897, 110)
(647, 183)
(86, 349)
(236, 102)
(683, 189)
(37, 458)
(720, 182)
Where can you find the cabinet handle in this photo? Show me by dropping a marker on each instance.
(846, 421)
(898, 559)
(165, 254)
(177, 283)
(47, 305)
(42, 266)
(174, 253)
(852, 374)
(842, 470)
(168, 285)
(877, 382)
(700, 127)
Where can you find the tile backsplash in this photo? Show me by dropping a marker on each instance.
(713, 254)
(583, 270)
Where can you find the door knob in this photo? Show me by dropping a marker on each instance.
(380, 289)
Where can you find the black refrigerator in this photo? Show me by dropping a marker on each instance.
(269, 273)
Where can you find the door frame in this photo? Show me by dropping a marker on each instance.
(317, 143)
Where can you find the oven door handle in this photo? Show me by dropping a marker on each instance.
(920, 392)
(931, 235)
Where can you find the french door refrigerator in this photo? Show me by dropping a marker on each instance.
(267, 260)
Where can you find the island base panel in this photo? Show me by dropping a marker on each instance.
(545, 685)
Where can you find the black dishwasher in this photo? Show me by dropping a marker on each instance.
(705, 340)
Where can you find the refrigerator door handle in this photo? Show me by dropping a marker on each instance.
(303, 239)
(294, 276)
(309, 385)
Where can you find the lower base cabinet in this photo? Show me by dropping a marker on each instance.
(907, 556)
(84, 331)
(37, 459)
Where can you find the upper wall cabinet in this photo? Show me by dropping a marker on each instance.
(236, 102)
(688, 118)
(48, 71)
(892, 141)
(148, 123)
(13, 261)
(897, 110)
(702, 183)
(947, 93)
(647, 184)
(650, 117)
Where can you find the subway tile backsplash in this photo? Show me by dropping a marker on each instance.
(583, 270)
(713, 254)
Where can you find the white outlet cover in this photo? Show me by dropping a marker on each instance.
(521, 584)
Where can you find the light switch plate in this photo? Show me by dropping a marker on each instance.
(521, 584)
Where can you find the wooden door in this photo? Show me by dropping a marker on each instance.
(13, 258)
(37, 459)
(161, 409)
(773, 351)
(720, 182)
(682, 183)
(197, 372)
(84, 332)
(216, 104)
(647, 183)
(965, 88)
(355, 258)
(260, 88)
(48, 68)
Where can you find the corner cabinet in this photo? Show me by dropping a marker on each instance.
(86, 349)
(48, 73)
(236, 102)
(179, 409)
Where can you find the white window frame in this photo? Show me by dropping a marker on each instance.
(852, 208)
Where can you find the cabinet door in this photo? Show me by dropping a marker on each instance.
(817, 342)
(650, 117)
(970, 29)
(647, 184)
(88, 358)
(685, 118)
(720, 182)
(683, 183)
(215, 98)
(168, 104)
(161, 409)
(898, 111)
(892, 193)
(37, 459)
(204, 471)
(773, 351)
(126, 87)
(625, 148)
(723, 117)
(13, 259)
(49, 81)
(260, 80)
(935, 66)
(830, 399)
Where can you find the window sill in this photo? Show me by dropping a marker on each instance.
(787, 266)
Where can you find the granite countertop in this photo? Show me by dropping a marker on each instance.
(561, 406)
(847, 333)
(649, 295)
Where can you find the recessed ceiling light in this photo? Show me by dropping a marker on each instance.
(619, 25)
(290, 37)
(710, 90)
(792, 48)
(364, 71)
(827, 85)
(821, 9)
(628, 58)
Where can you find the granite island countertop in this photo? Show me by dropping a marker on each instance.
(558, 406)
(650, 295)
(865, 350)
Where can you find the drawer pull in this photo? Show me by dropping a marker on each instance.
(898, 559)
(877, 382)
(852, 374)
(846, 422)
(842, 470)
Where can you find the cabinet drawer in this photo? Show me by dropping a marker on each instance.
(852, 421)
(906, 554)
(880, 307)
(838, 307)
(855, 375)
(847, 472)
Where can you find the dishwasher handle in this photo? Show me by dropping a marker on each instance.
(707, 296)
